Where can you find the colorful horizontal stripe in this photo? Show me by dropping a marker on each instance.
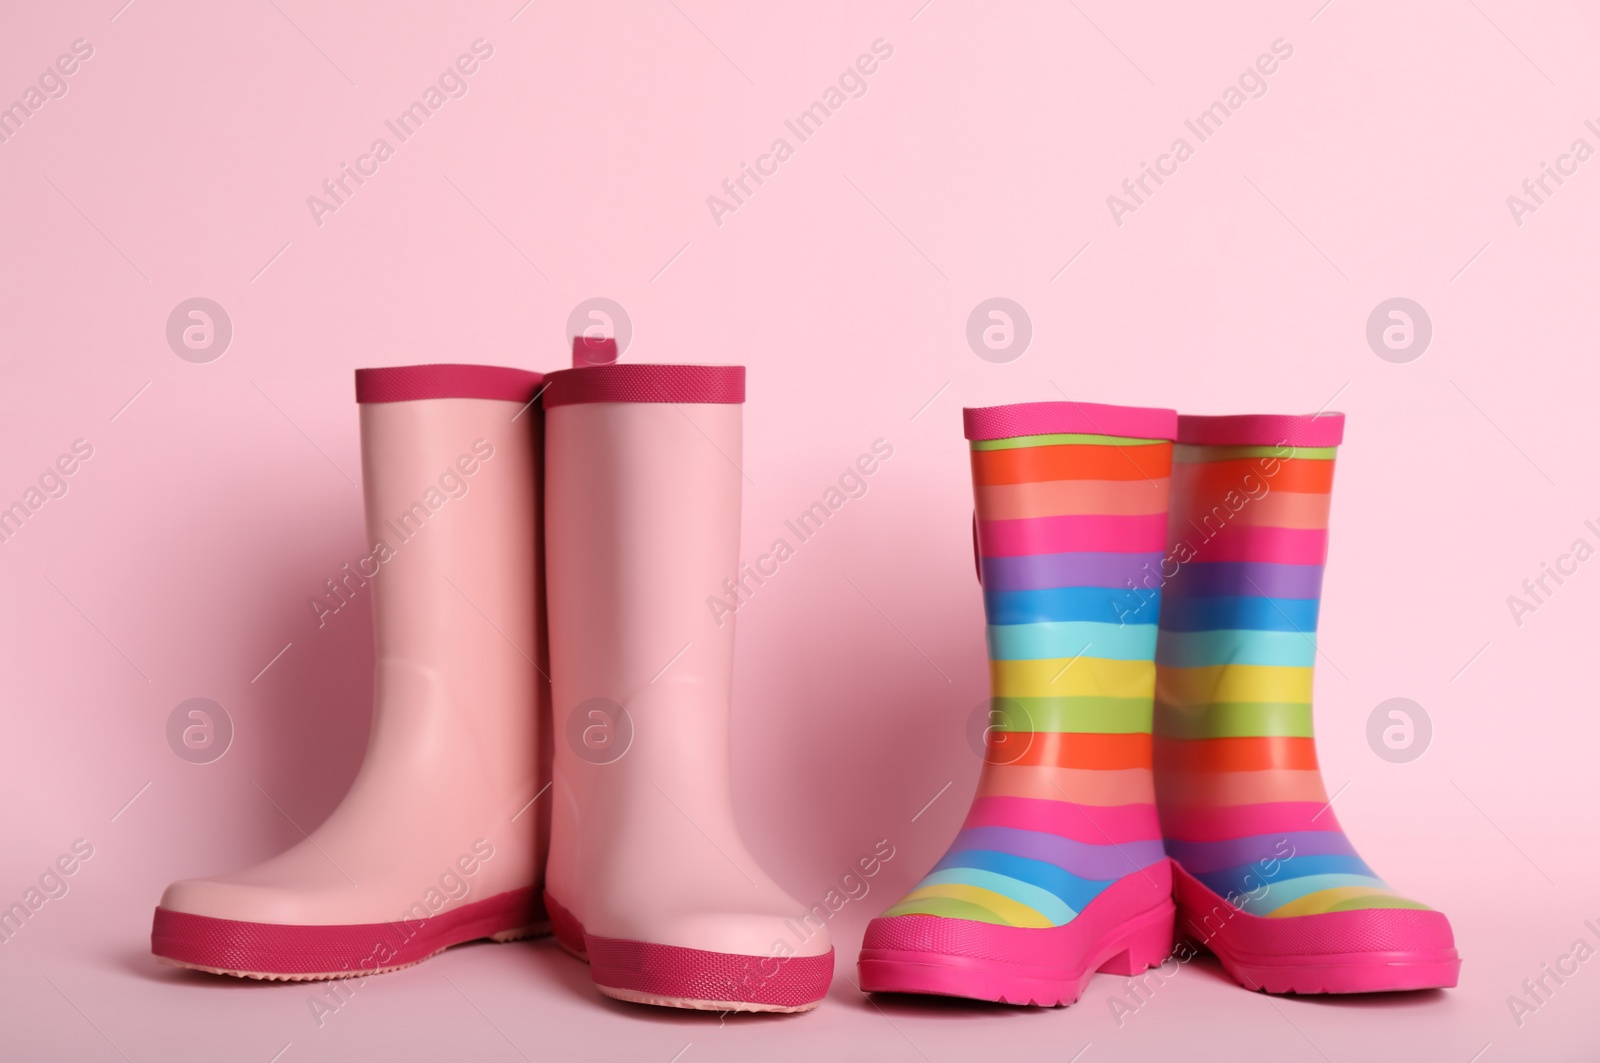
(1081, 859)
(1085, 568)
(1064, 605)
(1057, 749)
(1285, 509)
(1071, 638)
(1064, 498)
(979, 903)
(1220, 822)
(1143, 534)
(1084, 676)
(1246, 753)
(1196, 649)
(1238, 541)
(1035, 464)
(1090, 786)
(1239, 612)
(1007, 881)
(1264, 851)
(1251, 579)
(1235, 719)
(1097, 824)
(1224, 485)
(1243, 806)
(1243, 788)
(1189, 452)
(1234, 682)
(1071, 536)
(1099, 715)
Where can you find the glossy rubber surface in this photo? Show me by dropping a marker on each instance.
(441, 815)
(1126, 929)
(642, 506)
(1058, 870)
(1368, 950)
(279, 951)
(644, 972)
(1244, 809)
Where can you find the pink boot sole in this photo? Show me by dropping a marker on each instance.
(676, 977)
(1373, 950)
(1124, 930)
(295, 953)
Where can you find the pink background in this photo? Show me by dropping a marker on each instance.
(977, 164)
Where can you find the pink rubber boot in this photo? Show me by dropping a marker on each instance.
(648, 878)
(435, 844)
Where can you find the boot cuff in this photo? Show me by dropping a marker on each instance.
(1056, 418)
(645, 382)
(405, 383)
(1263, 429)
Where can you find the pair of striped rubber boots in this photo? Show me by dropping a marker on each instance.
(1151, 586)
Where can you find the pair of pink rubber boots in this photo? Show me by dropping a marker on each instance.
(523, 777)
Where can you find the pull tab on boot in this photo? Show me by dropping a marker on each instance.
(593, 350)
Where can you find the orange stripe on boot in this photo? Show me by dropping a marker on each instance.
(1202, 486)
(1204, 755)
(1053, 749)
(1081, 786)
(1071, 462)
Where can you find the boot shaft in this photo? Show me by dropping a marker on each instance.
(438, 840)
(1070, 518)
(1247, 540)
(451, 471)
(643, 495)
(1237, 777)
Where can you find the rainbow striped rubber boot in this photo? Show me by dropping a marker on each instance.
(1059, 870)
(1265, 878)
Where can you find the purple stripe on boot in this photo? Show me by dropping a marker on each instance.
(1083, 859)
